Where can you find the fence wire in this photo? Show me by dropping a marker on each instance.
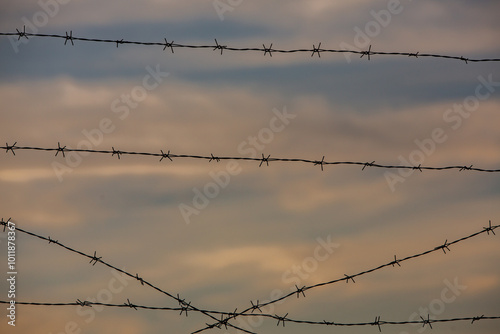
(281, 320)
(185, 306)
(315, 50)
(162, 155)
(227, 316)
(301, 291)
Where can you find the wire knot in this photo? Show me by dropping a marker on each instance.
(476, 319)
(168, 45)
(281, 319)
(219, 47)
(52, 241)
(368, 164)
(266, 50)
(418, 167)
(349, 278)
(367, 53)
(165, 155)
(316, 50)
(60, 149)
(426, 321)
(233, 314)
(300, 291)
(22, 34)
(413, 55)
(443, 246)
(10, 148)
(69, 37)
(213, 158)
(255, 306)
(139, 279)
(116, 152)
(129, 304)
(320, 163)
(396, 261)
(377, 323)
(185, 308)
(4, 223)
(222, 322)
(84, 303)
(490, 228)
(465, 168)
(95, 259)
(119, 42)
(266, 160)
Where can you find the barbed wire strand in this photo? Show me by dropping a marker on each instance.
(377, 322)
(301, 291)
(185, 306)
(263, 160)
(217, 46)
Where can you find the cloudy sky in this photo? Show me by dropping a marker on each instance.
(223, 234)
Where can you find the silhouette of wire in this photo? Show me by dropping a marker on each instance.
(261, 161)
(185, 306)
(376, 322)
(301, 291)
(68, 37)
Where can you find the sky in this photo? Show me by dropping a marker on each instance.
(222, 234)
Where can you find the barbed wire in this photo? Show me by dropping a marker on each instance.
(185, 306)
(377, 322)
(301, 291)
(162, 155)
(217, 46)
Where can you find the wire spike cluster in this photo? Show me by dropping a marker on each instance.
(264, 159)
(267, 50)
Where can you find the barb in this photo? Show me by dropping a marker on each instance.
(266, 50)
(10, 148)
(169, 45)
(69, 37)
(316, 50)
(426, 321)
(262, 160)
(281, 319)
(375, 323)
(300, 291)
(22, 34)
(185, 307)
(367, 53)
(266, 160)
(351, 277)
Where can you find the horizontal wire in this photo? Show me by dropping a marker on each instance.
(216, 47)
(301, 291)
(262, 160)
(376, 322)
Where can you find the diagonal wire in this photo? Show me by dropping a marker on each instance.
(185, 306)
(348, 278)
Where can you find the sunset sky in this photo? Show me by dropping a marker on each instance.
(222, 234)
